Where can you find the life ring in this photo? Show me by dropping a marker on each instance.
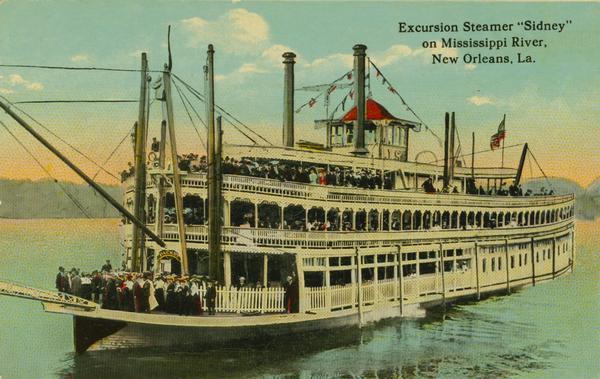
(152, 156)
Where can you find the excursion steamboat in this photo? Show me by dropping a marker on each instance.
(364, 233)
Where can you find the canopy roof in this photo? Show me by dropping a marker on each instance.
(374, 112)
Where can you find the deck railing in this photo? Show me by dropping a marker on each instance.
(250, 184)
(258, 237)
(247, 300)
(338, 297)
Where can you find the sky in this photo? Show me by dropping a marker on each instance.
(552, 104)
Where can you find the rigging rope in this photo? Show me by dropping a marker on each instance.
(190, 116)
(114, 151)
(200, 97)
(63, 188)
(73, 101)
(404, 102)
(540, 167)
(75, 68)
(59, 138)
(477, 152)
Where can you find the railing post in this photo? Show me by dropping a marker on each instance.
(553, 257)
(532, 261)
(477, 271)
(443, 279)
(401, 280)
(507, 266)
(359, 287)
(301, 290)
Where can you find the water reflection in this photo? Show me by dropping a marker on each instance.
(465, 340)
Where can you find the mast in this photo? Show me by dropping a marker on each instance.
(176, 175)
(521, 165)
(451, 151)
(360, 52)
(214, 187)
(288, 99)
(137, 246)
(446, 143)
(160, 215)
(473, 158)
(137, 222)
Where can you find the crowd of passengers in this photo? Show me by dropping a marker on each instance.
(290, 171)
(146, 292)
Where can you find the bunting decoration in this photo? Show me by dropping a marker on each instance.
(331, 89)
(312, 102)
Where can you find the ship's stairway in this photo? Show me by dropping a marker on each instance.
(17, 290)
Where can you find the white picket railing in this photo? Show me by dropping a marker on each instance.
(247, 300)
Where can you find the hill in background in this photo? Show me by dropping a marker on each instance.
(45, 199)
(587, 200)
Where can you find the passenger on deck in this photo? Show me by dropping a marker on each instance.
(107, 267)
(428, 186)
(211, 297)
(86, 286)
(75, 283)
(62, 281)
(159, 292)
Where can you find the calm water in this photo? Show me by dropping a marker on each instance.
(552, 330)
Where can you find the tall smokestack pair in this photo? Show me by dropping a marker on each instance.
(359, 99)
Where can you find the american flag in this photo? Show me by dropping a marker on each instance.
(499, 136)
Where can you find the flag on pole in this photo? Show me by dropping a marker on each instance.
(499, 136)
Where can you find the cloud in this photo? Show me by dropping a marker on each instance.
(338, 60)
(250, 68)
(35, 86)
(480, 100)
(393, 54)
(470, 66)
(237, 32)
(80, 58)
(6, 91)
(17, 80)
(273, 54)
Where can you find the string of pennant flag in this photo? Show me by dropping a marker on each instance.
(332, 87)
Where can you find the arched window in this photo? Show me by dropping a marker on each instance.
(427, 220)
(487, 221)
(437, 219)
(385, 220)
(242, 213)
(462, 220)
(417, 220)
(471, 219)
(500, 220)
(407, 220)
(348, 219)
(373, 220)
(446, 220)
(334, 219)
(193, 210)
(396, 220)
(361, 220)
(294, 217)
(269, 215)
(454, 220)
